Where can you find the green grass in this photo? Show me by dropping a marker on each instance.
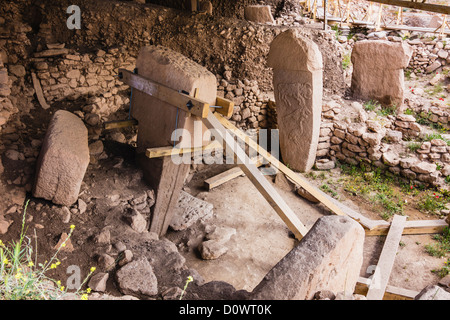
(346, 61)
(442, 246)
(381, 110)
(326, 188)
(432, 202)
(432, 136)
(436, 89)
(414, 146)
(371, 105)
(376, 188)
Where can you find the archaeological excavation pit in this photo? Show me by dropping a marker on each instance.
(215, 150)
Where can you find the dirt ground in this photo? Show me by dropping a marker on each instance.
(262, 238)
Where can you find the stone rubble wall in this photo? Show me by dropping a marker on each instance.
(94, 75)
(378, 144)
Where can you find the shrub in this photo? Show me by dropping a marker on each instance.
(23, 278)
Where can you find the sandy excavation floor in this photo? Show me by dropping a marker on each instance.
(262, 238)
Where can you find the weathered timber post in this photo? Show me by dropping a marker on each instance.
(158, 120)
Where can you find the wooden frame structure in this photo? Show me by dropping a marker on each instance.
(225, 132)
(218, 121)
(345, 17)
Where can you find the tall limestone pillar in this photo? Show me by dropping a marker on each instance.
(157, 121)
(297, 81)
(378, 71)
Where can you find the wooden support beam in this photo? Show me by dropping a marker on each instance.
(228, 175)
(380, 278)
(372, 227)
(227, 107)
(326, 200)
(412, 227)
(173, 97)
(120, 124)
(391, 293)
(169, 151)
(166, 178)
(257, 178)
(416, 5)
(417, 29)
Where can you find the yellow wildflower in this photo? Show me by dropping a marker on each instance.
(88, 290)
(84, 297)
(72, 226)
(93, 269)
(18, 275)
(53, 266)
(5, 261)
(30, 264)
(62, 288)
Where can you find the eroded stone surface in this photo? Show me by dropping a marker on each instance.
(329, 257)
(374, 60)
(297, 67)
(63, 160)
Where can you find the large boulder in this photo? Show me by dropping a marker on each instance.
(63, 159)
(378, 70)
(137, 279)
(329, 257)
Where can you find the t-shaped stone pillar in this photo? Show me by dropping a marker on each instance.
(158, 120)
(297, 81)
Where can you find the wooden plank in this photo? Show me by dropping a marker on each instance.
(380, 278)
(228, 175)
(391, 293)
(326, 200)
(257, 178)
(119, 124)
(227, 107)
(417, 29)
(169, 151)
(166, 178)
(173, 97)
(416, 5)
(412, 227)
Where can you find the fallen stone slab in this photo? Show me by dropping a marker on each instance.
(51, 53)
(189, 210)
(63, 160)
(433, 292)
(329, 257)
